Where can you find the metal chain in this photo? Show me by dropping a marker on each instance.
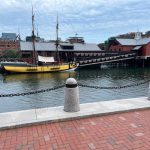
(32, 92)
(115, 87)
(82, 85)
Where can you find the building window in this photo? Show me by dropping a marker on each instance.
(67, 47)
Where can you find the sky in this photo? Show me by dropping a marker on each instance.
(95, 20)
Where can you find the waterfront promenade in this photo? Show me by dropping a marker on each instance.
(123, 131)
(118, 125)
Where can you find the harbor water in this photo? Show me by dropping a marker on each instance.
(106, 77)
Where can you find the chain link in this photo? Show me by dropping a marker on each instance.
(32, 92)
(114, 87)
(61, 86)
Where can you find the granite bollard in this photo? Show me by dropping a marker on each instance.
(71, 103)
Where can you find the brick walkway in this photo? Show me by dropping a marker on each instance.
(125, 131)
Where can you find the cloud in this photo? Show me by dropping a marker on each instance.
(90, 18)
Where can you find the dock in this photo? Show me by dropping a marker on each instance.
(104, 59)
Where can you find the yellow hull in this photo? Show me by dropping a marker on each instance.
(38, 69)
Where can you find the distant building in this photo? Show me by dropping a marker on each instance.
(9, 36)
(37, 39)
(101, 46)
(67, 51)
(9, 41)
(76, 40)
(130, 35)
(139, 45)
(147, 34)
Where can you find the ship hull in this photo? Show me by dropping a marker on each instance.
(9, 63)
(38, 69)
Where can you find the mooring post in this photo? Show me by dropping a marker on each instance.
(149, 92)
(71, 103)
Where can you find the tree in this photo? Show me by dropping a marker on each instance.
(10, 54)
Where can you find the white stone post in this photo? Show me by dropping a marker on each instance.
(71, 103)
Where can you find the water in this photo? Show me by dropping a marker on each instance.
(98, 77)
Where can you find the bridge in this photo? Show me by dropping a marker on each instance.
(106, 59)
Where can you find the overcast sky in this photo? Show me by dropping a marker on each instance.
(95, 20)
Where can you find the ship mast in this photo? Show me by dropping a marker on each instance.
(57, 41)
(33, 40)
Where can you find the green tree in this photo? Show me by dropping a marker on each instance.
(11, 54)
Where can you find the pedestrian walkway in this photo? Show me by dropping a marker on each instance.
(122, 131)
(55, 114)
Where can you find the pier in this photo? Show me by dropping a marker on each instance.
(104, 59)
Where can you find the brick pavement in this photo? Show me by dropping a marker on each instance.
(124, 131)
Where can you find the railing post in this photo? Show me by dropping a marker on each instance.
(71, 103)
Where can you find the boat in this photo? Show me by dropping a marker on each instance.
(10, 63)
(14, 68)
(39, 64)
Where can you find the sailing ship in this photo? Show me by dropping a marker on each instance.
(47, 64)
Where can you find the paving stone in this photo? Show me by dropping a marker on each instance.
(91, 146)
(122, 118)
(81, 128)
(130, 138)
(139, 134)
(111, 141)
(54, 146)
(93, 123)
(137, 113)
(46, 137)
(92, 133)
(133, 125)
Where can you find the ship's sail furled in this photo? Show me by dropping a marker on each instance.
(45, 59)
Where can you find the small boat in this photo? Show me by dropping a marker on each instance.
(40, 64)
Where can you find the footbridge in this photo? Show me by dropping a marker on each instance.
(107, 59)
